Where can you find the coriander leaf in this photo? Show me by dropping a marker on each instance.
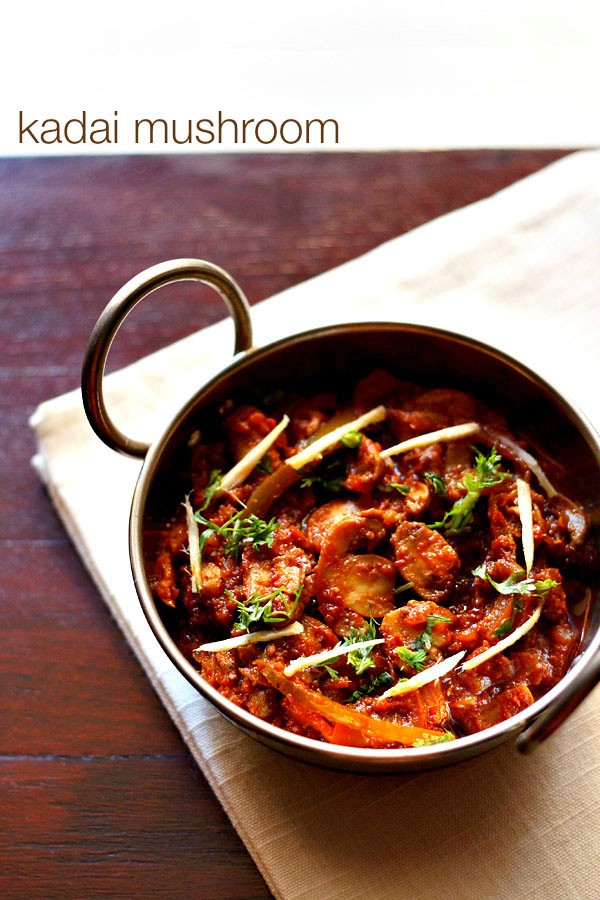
(331, 672)
(403, 489)
(434, 739)
(505, 627)
(265, 466)
(361, 659)
(516, 585)
(508, 624)
(486, 473)
(487, 469)
(250, 530)
(259, 610)
(214, 483)
(543, 588)
(379, 681)
(239, 531)
(437, 483)
(330, 476)
(351, 439)
(414, 658)
(425, 639)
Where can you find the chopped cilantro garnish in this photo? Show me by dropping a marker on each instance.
(351, 439)
(403, 489)
(507, 626)
(214, 483)
(434, 739)
(329, 477)
(265, 466)
(486, 473)
(437, 483)
(516, 585)
(239, 531)
(425, 639)
(361, 659)
(384, 680)
(414, 658)
(330, 671)
(259, 610)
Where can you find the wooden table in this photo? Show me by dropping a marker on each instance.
(100, 797)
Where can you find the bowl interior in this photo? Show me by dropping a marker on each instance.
(337, 358)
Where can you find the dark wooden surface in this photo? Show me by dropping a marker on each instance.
(99, 797)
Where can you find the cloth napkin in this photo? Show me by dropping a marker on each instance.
(522, 270)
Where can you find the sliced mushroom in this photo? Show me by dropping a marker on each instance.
(424, 557)
(324, 518)
(362, 582)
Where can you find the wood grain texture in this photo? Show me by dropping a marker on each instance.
(99, 797)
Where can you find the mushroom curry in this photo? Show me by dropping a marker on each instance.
(392, 569)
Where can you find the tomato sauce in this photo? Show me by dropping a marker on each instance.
(418, 555)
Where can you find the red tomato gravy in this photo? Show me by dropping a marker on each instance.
(422, 555)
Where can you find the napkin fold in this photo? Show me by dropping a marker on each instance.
(521, 270)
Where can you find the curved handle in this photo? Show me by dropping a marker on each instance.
(120, 306)
(547, 722)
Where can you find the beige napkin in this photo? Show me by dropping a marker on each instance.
(521, 269)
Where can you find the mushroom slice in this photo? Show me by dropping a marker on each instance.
(283, 566)
(365, 583)
(324, 518)
(425, 558)
(362, 582)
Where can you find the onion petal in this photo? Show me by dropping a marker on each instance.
(515, 452)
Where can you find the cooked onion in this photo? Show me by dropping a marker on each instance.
(365, 725)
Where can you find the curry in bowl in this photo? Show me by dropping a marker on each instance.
(388, 566)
